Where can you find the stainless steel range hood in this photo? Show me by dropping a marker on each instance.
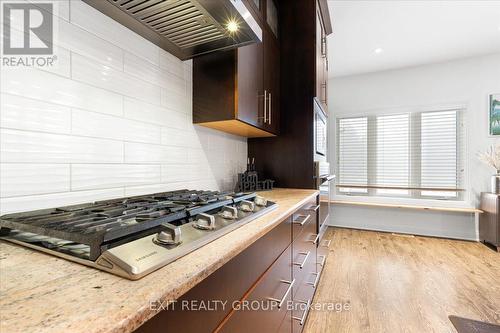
(186, 28)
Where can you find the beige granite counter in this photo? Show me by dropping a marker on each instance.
(42, 293)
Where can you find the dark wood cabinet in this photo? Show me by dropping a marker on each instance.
(266, 305)
(238, 91)
(250, 85)
(489, 220)
(271, 83)
(321, 61)
(289, 157)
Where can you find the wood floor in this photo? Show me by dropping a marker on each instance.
(405, 284)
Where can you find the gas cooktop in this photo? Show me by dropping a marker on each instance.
(134, 236)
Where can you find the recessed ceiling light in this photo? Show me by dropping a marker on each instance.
(378, 50)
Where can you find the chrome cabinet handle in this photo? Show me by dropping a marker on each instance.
(314, 284)
(313, 208)
(301, 264)
(265, 106)
(307, 217)
(323, 47)
(270, 108)
(322, 263)
(304, 315)
(315, 240)
(328, 241)
(282, 300)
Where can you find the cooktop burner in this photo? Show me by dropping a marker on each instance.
(114, 234)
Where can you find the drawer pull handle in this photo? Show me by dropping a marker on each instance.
(306, 217)
(314, 284)
(306, 311)
(323, 259)
(282, 300)
(301, 264)
(315, 240)
(313, 208)
(326, 243)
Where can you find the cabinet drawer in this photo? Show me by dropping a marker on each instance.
(304, 255)
(322, 252)
(273, 289)
(301, 302)
(286, 324)
(306, 215)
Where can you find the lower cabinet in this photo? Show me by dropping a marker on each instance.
(266, 305)
(266, 288)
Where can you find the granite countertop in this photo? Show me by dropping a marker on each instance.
(42, 293)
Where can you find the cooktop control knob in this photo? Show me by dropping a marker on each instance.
(170, 235)
(204, 222)
(229, 213)
(247, 206)
(260, 201)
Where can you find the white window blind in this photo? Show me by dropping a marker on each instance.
(416, 154)
(352, 153)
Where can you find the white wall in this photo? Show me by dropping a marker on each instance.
(112, 119)
(463, 82)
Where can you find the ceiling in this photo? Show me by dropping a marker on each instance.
(370, 36)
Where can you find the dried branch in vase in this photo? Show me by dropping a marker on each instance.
(491, 157)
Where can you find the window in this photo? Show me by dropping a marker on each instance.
(415, 155)
(352, 153)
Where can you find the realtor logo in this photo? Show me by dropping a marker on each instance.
(35, 22)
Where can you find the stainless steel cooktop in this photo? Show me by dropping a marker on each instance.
(134, 236)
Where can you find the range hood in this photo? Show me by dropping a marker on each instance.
(186, 28)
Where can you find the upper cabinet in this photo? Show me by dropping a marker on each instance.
(323, 29)
(272, 17)
(238, 91)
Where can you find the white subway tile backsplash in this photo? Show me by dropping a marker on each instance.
(138, 110)
(156, 188)
(95, 176)
(146, 153)
(179, 138)
(33, 147)
(60, 7)
(171, 63)
(103, 26)
(103, 76)
(114, 119)
(81, 41)
(30, 179)
(56, 89)
(146, 71)
(18, 112)
(25, 203)
(175, 101)
(177, 173)
(110, 127)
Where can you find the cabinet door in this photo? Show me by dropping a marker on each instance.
(272, 17)
(321, 62)
(257, 313)
(250, 92)
(271, 83)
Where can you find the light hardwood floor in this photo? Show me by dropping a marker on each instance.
(405, 284)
